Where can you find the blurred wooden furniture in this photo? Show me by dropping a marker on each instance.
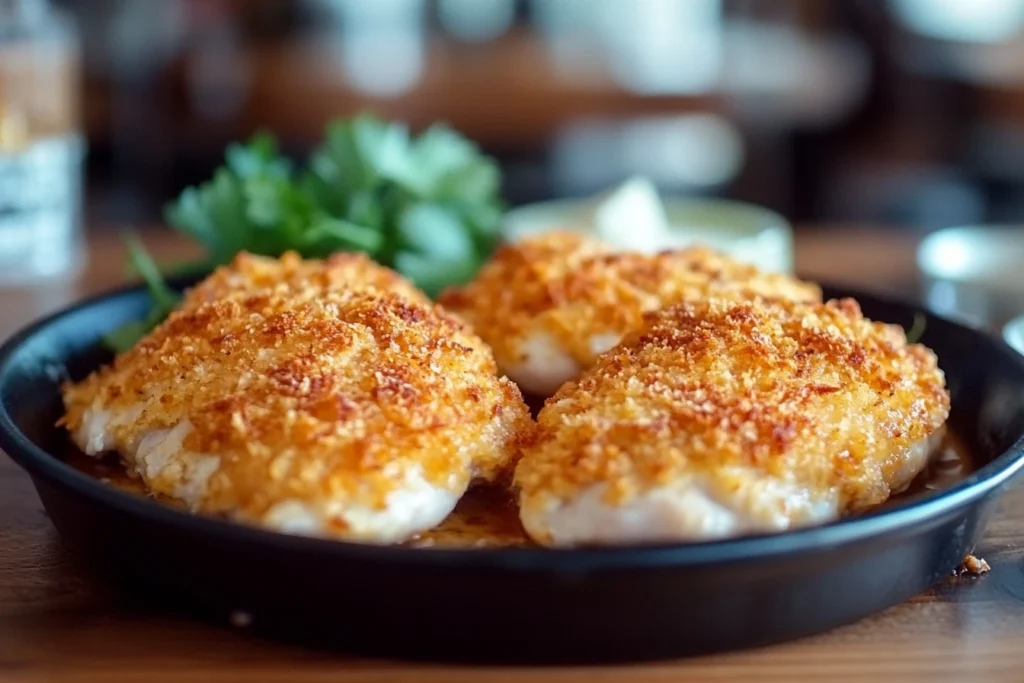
(57, 623)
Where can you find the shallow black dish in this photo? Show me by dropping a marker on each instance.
(516, 605)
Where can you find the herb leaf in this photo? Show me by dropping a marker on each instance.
(427, 206)
(916, 330)
(163, 297)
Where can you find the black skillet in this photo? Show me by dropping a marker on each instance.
(515, 605)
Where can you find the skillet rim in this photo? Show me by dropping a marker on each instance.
(903, 518)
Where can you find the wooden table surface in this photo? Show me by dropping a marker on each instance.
(59, 624)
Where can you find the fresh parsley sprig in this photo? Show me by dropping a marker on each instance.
(164, 299)
(916, 330)
(428, 206)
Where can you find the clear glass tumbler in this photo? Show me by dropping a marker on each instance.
(41, 146)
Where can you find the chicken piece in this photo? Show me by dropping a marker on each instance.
(550, 305)
(723, 418)
(359, 415)
(343, 271)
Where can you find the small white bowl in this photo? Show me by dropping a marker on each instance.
(747, 232)
(974, 273)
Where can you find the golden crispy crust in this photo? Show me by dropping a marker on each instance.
(340, 272)
(312, 393)
(812, 393)
(574, 288)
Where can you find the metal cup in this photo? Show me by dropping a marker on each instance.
(974, 273)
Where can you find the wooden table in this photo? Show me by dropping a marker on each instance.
(59, 624)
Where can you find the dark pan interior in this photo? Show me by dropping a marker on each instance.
(521, 605)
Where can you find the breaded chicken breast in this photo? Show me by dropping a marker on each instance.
(359, 415)
(720, 418)
(248, 273)
(550, 305)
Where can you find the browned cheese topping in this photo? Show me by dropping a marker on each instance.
(811, 393)
(574, 287)
(304, 391)
(338, 273)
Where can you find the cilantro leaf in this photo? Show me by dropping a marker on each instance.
(917, 329)
(163, 297)
(427, 206)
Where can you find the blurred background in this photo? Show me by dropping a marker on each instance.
(907, 113)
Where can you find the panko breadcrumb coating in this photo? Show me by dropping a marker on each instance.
(361, 414)
(718, 418)
(340, 272)
(550, 305)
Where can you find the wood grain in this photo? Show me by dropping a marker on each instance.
(59, 624)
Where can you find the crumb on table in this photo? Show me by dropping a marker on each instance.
(973, 565)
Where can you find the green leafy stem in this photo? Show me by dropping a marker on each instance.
(428, 206)
(916, 330)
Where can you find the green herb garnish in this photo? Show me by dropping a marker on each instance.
(164, 299)
(916, 330)
(426, 206)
